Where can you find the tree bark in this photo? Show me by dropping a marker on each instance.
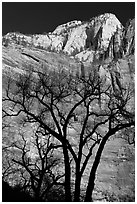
(78, 172)
(77, 183)
(90, 187)
(68, 197)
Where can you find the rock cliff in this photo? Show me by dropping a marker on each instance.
(100, 38)
(101, 41)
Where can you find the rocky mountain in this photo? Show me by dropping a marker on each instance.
(101, 41)
(100, 38)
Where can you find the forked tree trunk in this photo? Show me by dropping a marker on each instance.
(90, 187)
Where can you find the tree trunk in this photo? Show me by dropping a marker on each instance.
(77, 185)
(90, 187)
(78, 174)
(68, 197)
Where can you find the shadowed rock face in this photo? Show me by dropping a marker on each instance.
(129, 37)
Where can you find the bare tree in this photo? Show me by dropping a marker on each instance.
(34, 162)
(80, 112)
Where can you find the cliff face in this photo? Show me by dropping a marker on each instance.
(129, 37)
(103, 42)
(101, 37)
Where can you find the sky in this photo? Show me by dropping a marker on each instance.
(40, 17)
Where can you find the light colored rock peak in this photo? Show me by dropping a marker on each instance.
(95, 33)
(104, 17)
(110, 25)
(64, 27)
(101, 36)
